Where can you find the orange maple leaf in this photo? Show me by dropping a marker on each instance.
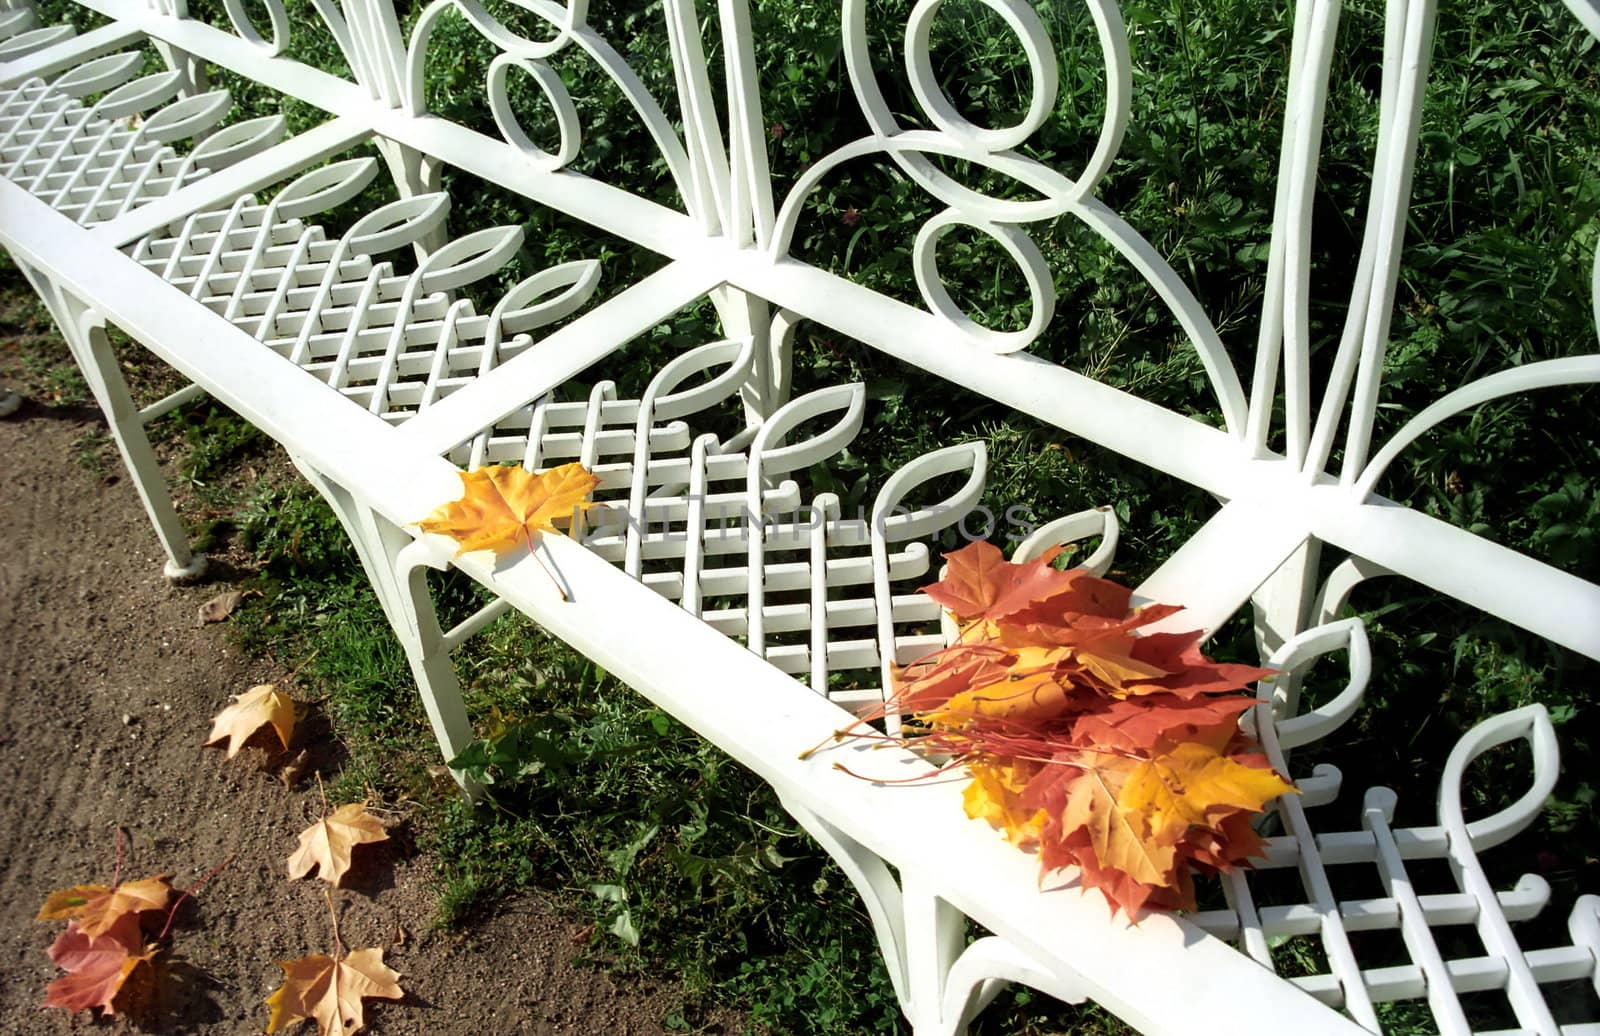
(975, 577)
(98, 908)
(261, 705)
(503, 506)
(327, 844)
(980, 584)
(1032, 685)
(1228, 843)
(1110, 659)
(1125, 892)
(1189, 672)
(1078, 599)
(1135, 723)
(926, 687)
(329, 991)
(97, 966)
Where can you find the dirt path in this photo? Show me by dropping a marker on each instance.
(106, 688)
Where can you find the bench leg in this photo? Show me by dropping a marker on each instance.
(400, 581)
(1282, 607)
(744, 315)
(941, 980)
(414, 173)
(84, 330)
(191, 69)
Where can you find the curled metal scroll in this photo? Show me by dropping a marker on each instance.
(568, 25)
(992, 148)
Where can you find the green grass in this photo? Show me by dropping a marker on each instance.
(683, 861)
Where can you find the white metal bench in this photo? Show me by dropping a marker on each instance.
(362, 353)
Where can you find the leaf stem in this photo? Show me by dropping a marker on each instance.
(333, 915)
(172, 911)
(946, 768)
(835, 738)
(533, 550)
(291, 674)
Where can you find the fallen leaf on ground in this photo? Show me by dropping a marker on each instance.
(327, 844)
(97, 966)
(503, 506)
(220, 606)
(99, 908)
(329, 992)
(250, 711)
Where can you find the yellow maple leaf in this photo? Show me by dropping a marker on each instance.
(1189, 784)
(503, 506)
(330, 991)
(99, 907)
(993, 796)
(327, 844)
(1118, 669)
(261, 705)
(1116, 836)
(1029, 686)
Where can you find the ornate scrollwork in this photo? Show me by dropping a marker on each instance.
(560, 103)
(1352, 393)
(569, 27)
(993, 148)
(278, 17)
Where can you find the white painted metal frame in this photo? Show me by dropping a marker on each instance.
(363, 353)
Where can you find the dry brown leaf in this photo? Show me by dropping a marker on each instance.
(250, 711)
(96, 966)
(70, 902)
(329, 992)
(98, 908)
(220, 606)
(327, 844)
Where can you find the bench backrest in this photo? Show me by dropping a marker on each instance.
(1293, 445)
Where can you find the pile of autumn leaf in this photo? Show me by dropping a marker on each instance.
(1097, 743)
(1103, 748)
(106, 946)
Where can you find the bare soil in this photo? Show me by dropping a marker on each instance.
(107, 686)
